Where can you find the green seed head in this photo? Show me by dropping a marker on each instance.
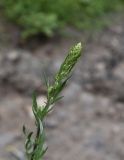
(69, 63)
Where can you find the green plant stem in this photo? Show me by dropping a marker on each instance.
(36, 137)
(35, 146)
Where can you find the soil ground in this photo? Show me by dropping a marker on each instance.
(88, 124)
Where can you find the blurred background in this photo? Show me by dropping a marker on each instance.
(35, 36)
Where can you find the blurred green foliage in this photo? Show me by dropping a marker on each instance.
(46, 16)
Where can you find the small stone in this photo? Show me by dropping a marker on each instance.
(16, 153)
(51, 123)
(29, 112)
(72, 92)
(119, 71)
(40, 101)
(62, 115)
(117, 29)
(115, 42)
(116, 129)
(13, 56)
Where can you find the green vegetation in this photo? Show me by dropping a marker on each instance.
(35, 146)
(47, 16)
